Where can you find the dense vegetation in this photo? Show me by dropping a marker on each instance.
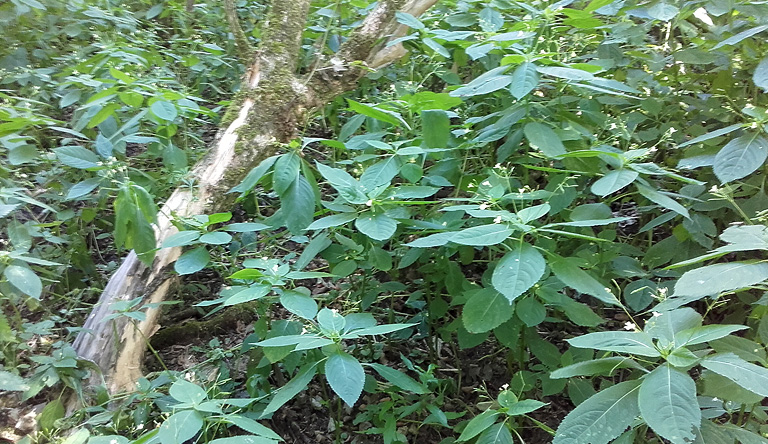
(547, 223)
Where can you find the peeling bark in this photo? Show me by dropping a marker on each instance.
(274, 102)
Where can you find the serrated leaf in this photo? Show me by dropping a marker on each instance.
(346, 377)
(668, 404)
(180, 427)
(613, 182)
(436, 128)
(380, 173)
(182, 238)
(487, 83)
(192, 261)
(285, 172)
(298, 205)
(750, 376)
(82, 188)
(12, 383)
(518, 271)
(760, 76)
(349, 189)
(433, 240)
(330, 320)
(187, 392)
(478, 424)
(485, 310)
(662, 199)
(482, 235)
(740, 157)
(216, 238)
(249, 425)
(543, 138)
(700, 335)
(602, 417)
(663, 11)
(711, 280)
(495, 434)
(631, 342)
(245, 227)
(594, 367)
(164, 110)
(299, 303)
(24, 279)
(578, 279)
(376, 226)
(377, 113)
(291, 389)
(524, 80)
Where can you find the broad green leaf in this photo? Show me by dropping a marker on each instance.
(77, 157)
(254, 176)
(24, 279)
(245, 227)
(285, 172)
(398, 378)
(187, 392)
(594, 367)
(667, 324)
(712, 135)
(613, 181)
(742, 435)
(249, 425)
(244, 439)
(543, 138)
(298, 205)
(482, 235)
(668, 404)
(485, 310)
(602, 417)
(565, 73)
(663, 11)
(518, 271)
(192, 261)
(661, 199)
(750, 376)
(378, 329)
(180, 427)
(380, 173)
(291, 389)
(82, 188)
(711, 280)
(495, 434)
(346, 377)
(330, 320)
(524, 406)
(700, 335)
(524, 80)
(333, 220)
(478, 425)
(740, 157)
(433, 240)
(249, 294)
(409, 20)
(12, 383)
(164, 110)
(216, 238)
(488, 82)
(741, 36)
(578, 279)
(760, 76)
(299, 303)
(282, 341)
(376, 226)
(378, 113)
(349, 189)
(436, 128)
(632, 342)
(532, 213)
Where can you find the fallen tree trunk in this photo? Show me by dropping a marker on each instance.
(273, 102)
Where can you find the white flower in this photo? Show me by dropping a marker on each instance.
(656, 314)
(505, 386)
(369, 203)
(630, 326)
(483, 206)
(497, 220)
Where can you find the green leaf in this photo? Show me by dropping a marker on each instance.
(376, 226)
(740, 157)
(663, 11)
(52, 412)
(714, 279)
(700, 335)
(524, 406)
(192, 261)
(518, 271)
(741, 36)
(298, 205)
(249, 425)
(436, 128)
(760, 76)
(12, 383)
(750, 376)
(581, 281)
(668, 404)
(566, 73)
(602, 417)
(333, 220)
(433, 240)
(299, 303)
(378, 329)
(495, 434)
(482, 235)
(349, 189)
(484, 84)
(249, 294)
(245, 227)
(82, 188)
(632, 342)
(330, 320)
(594, 367)
(380, 173)
(485, 310)
(712, 135)
(524, 80)
(243, 439)
(24, 279)
(662, 199)
(291, 389)
(187, 392)
(346, 376)
(180, 427)
(254, 176)
(286, 171)
(398, 379)
(77, 157)
(181, 239)
(478, 424)
(409, 20)
(164, 110)
(379, 114)
(613, 181)
(216, 238)
(544, 139)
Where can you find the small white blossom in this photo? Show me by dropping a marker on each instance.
(630, 326)
(369, 203)
(497, 220)
(483, 206)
